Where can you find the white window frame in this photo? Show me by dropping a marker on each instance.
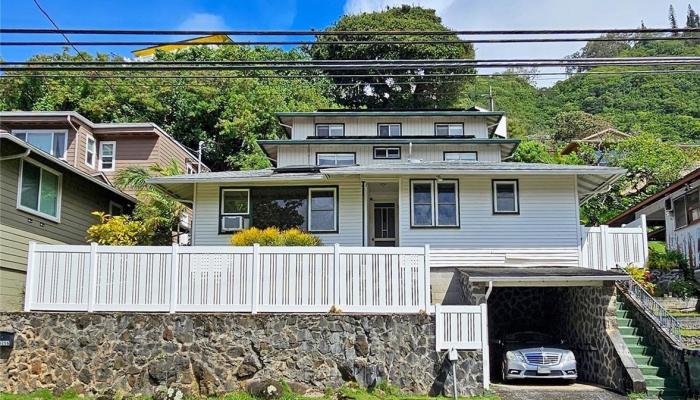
(335, 154)
(516, 191)
(335, 209)
(446, 153)
(113, 205)
(189, 169)
(114, 155)
(53, 133)
(389, 124)
(449, 125)
(434, 203)
(221, 206)
(329, 125)
(386, 150)
(88, 138)
(59, 195)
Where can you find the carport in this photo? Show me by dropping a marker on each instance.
(574, 304)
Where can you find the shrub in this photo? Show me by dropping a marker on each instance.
(274, 237)
(683, 288)
(642, 277)
(120, 230)
(671, 259)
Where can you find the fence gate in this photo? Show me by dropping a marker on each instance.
(463, 328)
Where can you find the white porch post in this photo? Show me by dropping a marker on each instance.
(336, 275)
(426, 269)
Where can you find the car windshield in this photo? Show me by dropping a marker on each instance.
(529, 338)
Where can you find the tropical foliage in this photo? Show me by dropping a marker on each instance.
(120, 230)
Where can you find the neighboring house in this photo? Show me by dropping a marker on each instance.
(211, 41)
(600, 141)
(673, 214)
(100, 149)
(46, 200)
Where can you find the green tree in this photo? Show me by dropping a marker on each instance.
(570, 125)
(413, 91)
(651, 164)
(157, 211)
(672, 17)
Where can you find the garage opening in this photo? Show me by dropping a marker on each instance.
(542, 309)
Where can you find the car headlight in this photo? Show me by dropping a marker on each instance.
(569, 356)
(514, 356)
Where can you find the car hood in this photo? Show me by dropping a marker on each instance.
(528, 349)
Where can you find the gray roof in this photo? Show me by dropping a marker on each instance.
(64, 165)
(382, 113)
(589, 178)
(541, 274)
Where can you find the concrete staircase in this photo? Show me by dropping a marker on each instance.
(660, 383)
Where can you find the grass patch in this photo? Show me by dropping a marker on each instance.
(657, 246)
(682, 314)
(349, 391)
(690, 332)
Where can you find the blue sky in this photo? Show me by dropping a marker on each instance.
(160, 14)
(307, 14)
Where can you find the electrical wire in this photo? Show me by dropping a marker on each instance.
(314, 32)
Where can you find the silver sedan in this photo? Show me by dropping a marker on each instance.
(534, 355)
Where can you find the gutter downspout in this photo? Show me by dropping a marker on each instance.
(77, 141)
(15, 156)
(488, 291)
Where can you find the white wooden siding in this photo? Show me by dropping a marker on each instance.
(364, 153)
(546, 227)
(367, 126)
(206, 225)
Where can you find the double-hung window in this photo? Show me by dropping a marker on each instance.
(90, 151)
(330, 130)
(388, 153)
(334, 159)
(53, 142)
(235, 205)
(388, 130)
(459, 156)
(505, 197)
(449, 129)
(323, 210)
(434, 203)
(39, 190)
(108, 151)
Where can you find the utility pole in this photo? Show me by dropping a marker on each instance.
(199, 156)
(490, 99)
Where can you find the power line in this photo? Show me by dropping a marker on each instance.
(58, 30)
(344, 42)
(421, 65)
(314, 32)
(277, 76)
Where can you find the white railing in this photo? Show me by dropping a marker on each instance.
(228, 279)
(604, 247)
(463, 328)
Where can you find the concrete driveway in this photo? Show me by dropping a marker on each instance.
(576, 391)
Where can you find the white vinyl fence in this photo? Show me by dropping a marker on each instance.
(227, 279)
(463, 328)
(605, 247)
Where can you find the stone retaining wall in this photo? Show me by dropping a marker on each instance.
(211, 354)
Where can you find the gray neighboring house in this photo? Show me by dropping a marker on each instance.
(46, 200)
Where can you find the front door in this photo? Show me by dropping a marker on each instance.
(384, 232)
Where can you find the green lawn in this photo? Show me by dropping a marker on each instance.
(657, 246)
(682, 314)
(350, 392)
(690, 332)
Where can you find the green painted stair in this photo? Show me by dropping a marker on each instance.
(660, 383)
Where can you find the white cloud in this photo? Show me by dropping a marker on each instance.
(541, 14)
(203, 21)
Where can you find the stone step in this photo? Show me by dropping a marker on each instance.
(660, 392)
(634, 339)
(643, 359)
(624, 313)
(625, 321)
(655, 370)
(629, 330)
(641, 350)
(657, 381)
